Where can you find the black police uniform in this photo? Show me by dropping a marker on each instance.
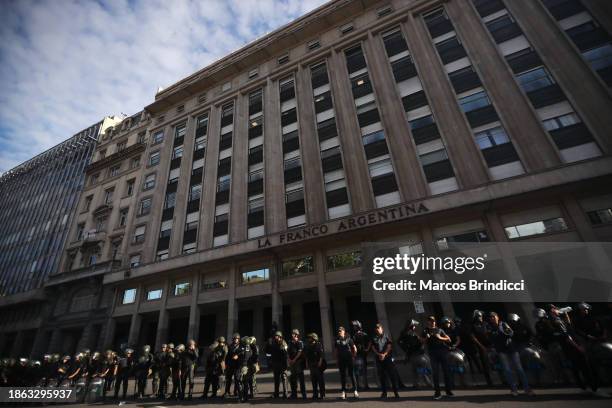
(313, 350)
(344, 351)
(189, 359)
(125, 367)
(297, 368)
(386, 367)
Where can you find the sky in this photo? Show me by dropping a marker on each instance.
(65, 65)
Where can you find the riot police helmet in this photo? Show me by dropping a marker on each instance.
(513, 317)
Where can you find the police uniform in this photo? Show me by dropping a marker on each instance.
(313, 351)
(124, 369)
(385, 367)
(214, 367)
(189, 359)
(344, 352)
(296, 350)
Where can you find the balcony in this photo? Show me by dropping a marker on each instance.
(92, 238)
(115, 157)
(100, 268)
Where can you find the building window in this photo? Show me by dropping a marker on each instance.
(88, 201)
(145, 206)
(346, 28)
(80, 231)
(217, 284)
(158, 137)
(253, 73)
(195, 192)
(114, 171)
(180, 108)
(94, 178)
(141, 137)
(298, 266)
(129, 189)
(535, 79)
(154, 158)
(283, 59)
(598, 217)
(135, 162)
(226, 86)
(536, 228)
(134, 261)
(189, 248)
(121, 146)
(255, 276)
(166, 229)
(170, 200)
(182, 288)
(313, 45)
(100, 224)
(139, 234)
(345, 260)
(474, 236)
(200, 143)
(161, 255)
(102, 154)
(129, 296)
(154, 294)
(474, 101)
(177, 152)
(149, 182)
(123, 214)
(108, 196)
(561, 121)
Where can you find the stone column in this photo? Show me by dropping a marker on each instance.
(109, 330)
(240, 168)
(454, 130)
(56, 341)
(136, 321)
(194, 310)
(209, 183)
(16, 350)
(589, 97)
(277, 303)
(355, 164)
(162, 323)
(274, 182)
(182, 192)
(314, 190)
(410, 180)
(326, 329)
(430, 248)
(232, 304)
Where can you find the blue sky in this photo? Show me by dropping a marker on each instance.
(64, 65)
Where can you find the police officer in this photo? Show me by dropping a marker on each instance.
(242, 380)
(78, 369)
(63, 369)
(562, 331)
(438, 344)
(49, 368)
(478, 336)
(101, 367)
(278, 351)
(345, 351)
(123, 371)
(215, 365)
(587, 327)
(156, 370)
(253, 364)
(412, 344)
(522, 334)
(231, 363)
(501, 336)
(295, 361)
(315, 361)
(176, 368)
(142, 370)
(189, 358)
(382, 346)
(363, 343)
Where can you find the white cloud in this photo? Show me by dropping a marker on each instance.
(64, 65)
